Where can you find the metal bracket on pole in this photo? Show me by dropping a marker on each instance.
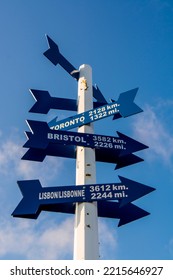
(86, 217)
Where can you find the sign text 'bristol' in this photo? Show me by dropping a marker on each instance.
(42, 135)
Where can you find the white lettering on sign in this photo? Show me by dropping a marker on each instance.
(108, 145)
(104, 195)
(104, 111)
(107, 188)
(61, 194)
(119, 187)
(120, 195)
(107, 195)
(102, 141)
(68, 123)
(111, 106)
(65, 137)
(87, 117)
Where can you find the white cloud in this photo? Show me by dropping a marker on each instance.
(150, 129)
(11, 164)
(36, 239)
(47, 238)
(54, 242)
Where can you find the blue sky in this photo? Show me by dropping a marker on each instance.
(128, 44)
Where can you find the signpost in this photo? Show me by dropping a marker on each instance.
(125, 192)
(45, 102)
(86, 199)
(124, 107)
(42, 136)
(102, 155)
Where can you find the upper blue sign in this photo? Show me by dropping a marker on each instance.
(54, 55)
(124, 107)
(45, 102)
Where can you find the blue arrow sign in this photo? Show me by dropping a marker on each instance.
(107, 110)
(34, 196)
(42, 135)
(102, 155)
(45, 102)
(126, 214)
(106, 209)
(54, 55)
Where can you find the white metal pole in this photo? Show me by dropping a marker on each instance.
(86, 245)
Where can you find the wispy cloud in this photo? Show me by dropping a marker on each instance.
(11, 164)
(46, 239)
(38, 239)
(151, 129)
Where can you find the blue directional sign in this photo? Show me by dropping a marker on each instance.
(126, 214)
(102, 155)
(106, 209)
(35, 197)
(54, 55)
(42, 135)
(45, 102)
(124, 107)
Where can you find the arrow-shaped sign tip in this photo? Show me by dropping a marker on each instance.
(43, 101)
(53, 52)
(131, 145)
(28, 207)
(134, 213)
(127, 160)
(126, 105)
(135, 190)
